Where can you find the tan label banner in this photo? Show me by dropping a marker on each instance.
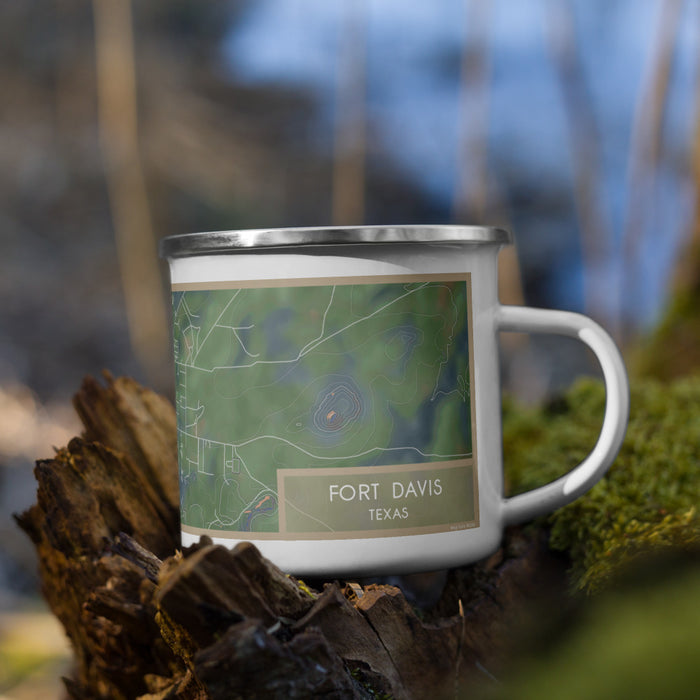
(378, 501)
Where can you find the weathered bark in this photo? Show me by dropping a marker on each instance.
(148, 621)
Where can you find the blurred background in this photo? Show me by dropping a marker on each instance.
(575, 123)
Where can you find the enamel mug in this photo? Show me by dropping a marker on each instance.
(338, 395)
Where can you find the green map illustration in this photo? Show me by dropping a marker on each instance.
(293, 377)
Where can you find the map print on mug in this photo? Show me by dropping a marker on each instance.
(326, 411)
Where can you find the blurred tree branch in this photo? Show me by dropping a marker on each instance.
(350, 119)
(476, 199)
(647, 140)
(673, 349)
(471, 197)
(584, 138)
(687, 273)
(118, 124)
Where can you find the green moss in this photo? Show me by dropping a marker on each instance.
(648, 499)
(671, 350)
(303, 587)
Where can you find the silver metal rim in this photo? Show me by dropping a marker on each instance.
(214, 242)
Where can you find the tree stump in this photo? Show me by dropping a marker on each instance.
(147, 620)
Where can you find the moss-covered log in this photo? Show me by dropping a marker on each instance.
(649, 499)
(148, 621)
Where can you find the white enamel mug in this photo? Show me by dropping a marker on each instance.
(338, 395)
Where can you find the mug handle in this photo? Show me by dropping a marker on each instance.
(567, 488)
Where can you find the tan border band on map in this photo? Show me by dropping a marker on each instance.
(354, 535)
(324, 282)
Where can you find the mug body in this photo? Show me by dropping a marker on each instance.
(338, 396)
